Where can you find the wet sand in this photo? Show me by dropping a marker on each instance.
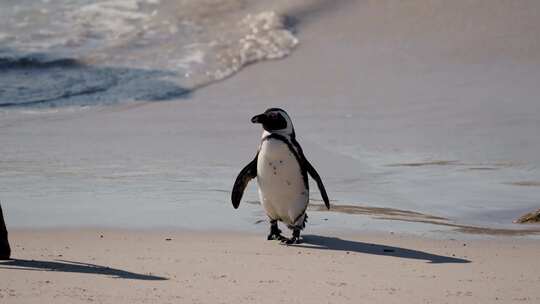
(424, 106)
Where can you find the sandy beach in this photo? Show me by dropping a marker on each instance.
(421, 116)
(126, 266)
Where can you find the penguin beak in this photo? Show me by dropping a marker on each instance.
(258, 118)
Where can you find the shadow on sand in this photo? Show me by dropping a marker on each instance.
(75, 267)
(334, 243)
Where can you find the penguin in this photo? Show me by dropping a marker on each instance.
(281, 169)
(5, 250)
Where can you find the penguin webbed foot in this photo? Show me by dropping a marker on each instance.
(275, 232)
(278, 237)
(291, 241)
(295, 238)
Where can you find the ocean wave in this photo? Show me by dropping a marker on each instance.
(266, 38)
(35, 80)
(35, 61)
(83, 52)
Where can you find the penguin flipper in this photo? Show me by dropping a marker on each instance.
(311, 170)
(248, 173)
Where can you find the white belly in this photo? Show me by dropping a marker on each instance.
(282, 191)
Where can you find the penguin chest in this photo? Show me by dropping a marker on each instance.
(282, 191)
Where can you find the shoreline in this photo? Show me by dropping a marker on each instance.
(341, 219)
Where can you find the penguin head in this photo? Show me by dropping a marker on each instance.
(275, 120)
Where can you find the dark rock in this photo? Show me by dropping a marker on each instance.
(531, 217)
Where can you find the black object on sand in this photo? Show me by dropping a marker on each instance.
(5, 250)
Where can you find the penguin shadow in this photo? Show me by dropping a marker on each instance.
(334, 243)
(75, 267)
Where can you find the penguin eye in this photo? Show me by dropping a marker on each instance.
(272, 115)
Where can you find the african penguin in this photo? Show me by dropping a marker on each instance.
(282, 176)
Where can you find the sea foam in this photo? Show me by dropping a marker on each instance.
(122, 50)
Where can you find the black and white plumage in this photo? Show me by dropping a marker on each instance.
(281, 169)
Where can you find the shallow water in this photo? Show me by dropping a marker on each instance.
(397, 104)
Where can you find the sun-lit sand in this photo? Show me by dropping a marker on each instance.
(122, 266)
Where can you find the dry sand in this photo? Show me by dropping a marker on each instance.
(122, 266)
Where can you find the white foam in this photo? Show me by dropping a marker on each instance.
(114, 19)
(266, 37)
(195, 57)
(191, 40)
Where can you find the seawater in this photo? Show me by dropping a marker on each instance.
(81, 52)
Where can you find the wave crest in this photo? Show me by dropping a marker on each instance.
(267, 38)
(181, 45)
